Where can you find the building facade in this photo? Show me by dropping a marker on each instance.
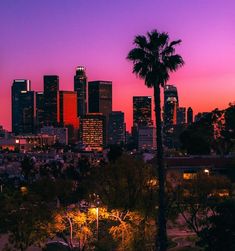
(142, 111)
(116, 128)
(68, 114)
(181, 115)
(18, 86)
(27, 112)
(100, 99)
(51, 100)
(93, 131)
(189, 115)
(80, 86)
(171, 103)
(147, 138)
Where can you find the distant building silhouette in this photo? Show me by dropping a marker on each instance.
(181, 115)
(51, 100)
(80, 86)
(39, 110)
(142, 115)
(147, 138)
(100, 99)
(27, 112)
(142, 111)
(116, 128)
(190, 115)
(171, 103)
(18, 86)
(200, 115)
(68, 114)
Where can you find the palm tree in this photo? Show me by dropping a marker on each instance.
(153, 59)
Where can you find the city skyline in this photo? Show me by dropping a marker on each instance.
(204, 83)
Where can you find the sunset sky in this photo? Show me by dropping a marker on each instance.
(39, 37)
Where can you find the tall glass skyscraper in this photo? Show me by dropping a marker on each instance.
(171, 104)
(100, 99)
(116, 128)
(68, 114)
(18, 86)
(190, 115)
(80, 86)
(142, 111)
(51, 100)
(27, 112)
(39, 110)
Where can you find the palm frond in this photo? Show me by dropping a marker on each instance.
(136, 54)
(141, 41)
(173, 62)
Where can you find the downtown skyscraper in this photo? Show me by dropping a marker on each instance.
(100, 99)
(116, 128)
(18, 86)
(80, 86)
(171, 104)
(142, 115)
(51, 100)
(142, 111)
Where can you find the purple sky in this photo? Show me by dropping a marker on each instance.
(54, 36)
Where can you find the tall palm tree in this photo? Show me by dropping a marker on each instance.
(153, 59)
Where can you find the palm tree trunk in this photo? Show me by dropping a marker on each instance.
(161, 240)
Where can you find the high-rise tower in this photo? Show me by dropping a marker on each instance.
(100, 99)
(27, 112)
(142, 111)
(18, 86)
(171, 104)
(181, 115)
(80, 86)
(116, 128)
(51, 100)
(190, 115)
(68, 113)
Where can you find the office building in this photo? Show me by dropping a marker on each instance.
(27, 112)
(39, 110)
(147, 138)
(171, 104)
(61, 133)
(190, 115)
(93, 131)
(116, 128)
(142, 111)
(100, 99)
(142, 115)
(80, 86)
(51, 100)
(181, 115)
(18, 86)
(68, 114)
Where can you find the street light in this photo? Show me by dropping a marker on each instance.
(207, 171)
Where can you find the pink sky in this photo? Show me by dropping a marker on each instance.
(53, 37)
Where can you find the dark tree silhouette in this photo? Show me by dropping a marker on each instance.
(153, 59)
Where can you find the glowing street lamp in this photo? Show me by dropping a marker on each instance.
(207, 171)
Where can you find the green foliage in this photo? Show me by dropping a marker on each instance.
(197, 138)
(23, 219)
(220, 232)
(125, 184)
(214, 131)
(196, 199)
